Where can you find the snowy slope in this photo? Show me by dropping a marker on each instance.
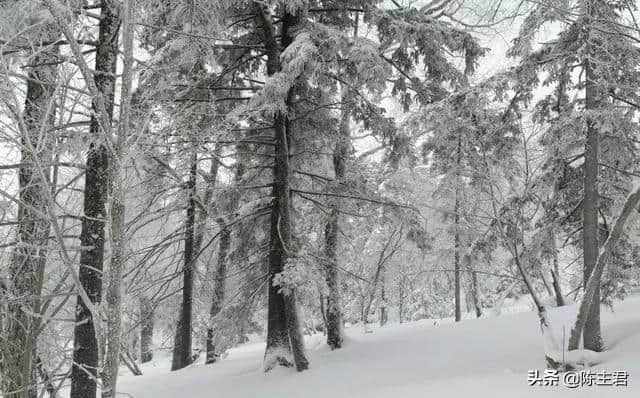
(475, 358)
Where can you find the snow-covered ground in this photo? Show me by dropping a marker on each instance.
(475, 358)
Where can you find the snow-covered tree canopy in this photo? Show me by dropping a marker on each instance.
(238, 182)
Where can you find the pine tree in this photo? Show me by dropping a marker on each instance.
(585, 42)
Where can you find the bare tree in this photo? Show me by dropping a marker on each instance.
(118, 232)
(18, 323)
(101, 85)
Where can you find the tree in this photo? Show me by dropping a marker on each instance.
(283, 331)
(18, 323)
(118, 229)
(230, 209)
(102, 86)
(182, 346)
(587, 42)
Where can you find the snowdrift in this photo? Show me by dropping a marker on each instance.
(474, 358)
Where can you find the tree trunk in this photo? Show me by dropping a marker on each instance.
(592, 334)
(182, 345)
(118, 231)
(219, 287)
(284, 336)
(475, 292)
(401, 298)
(383, 298)
(146, 333)
(334, 301)
(218, 292)
(86, 351)
(590, 298)
(555, 272)
(382, 260)
(456, 238)
(18, 325)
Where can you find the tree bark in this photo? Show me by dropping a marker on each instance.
(284, 336)
(18, 325)
(456, 237)
(220, 281)
(590, 244)
(555, 273)
(218, 292)
(146, 333)
(86, 350)
(118, 231)
(401, 298)
(383, 298)
(182, 345)
(334, 300)
(475, 291)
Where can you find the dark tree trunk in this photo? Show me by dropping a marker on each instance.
(182, 344)
(475, 289)
(592, 335)
(218, 292)
(334, 309)
(146, 332)
(284, 335)
(86, 350)
(475, 294)
(456, 239)
(220, 281)
(26, 267)
(556, 287)
(555, 273)
(401, 298)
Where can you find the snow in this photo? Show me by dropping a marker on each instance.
(487, 357)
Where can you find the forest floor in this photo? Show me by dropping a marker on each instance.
(488, 357)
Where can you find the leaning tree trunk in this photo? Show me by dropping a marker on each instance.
(182, 344)
(18, 325)
(284, 336)
(592, 333)
(590, 298)
(555, 272)
(146, 332)
(84, 371)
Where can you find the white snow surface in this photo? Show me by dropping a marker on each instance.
(475, 358)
